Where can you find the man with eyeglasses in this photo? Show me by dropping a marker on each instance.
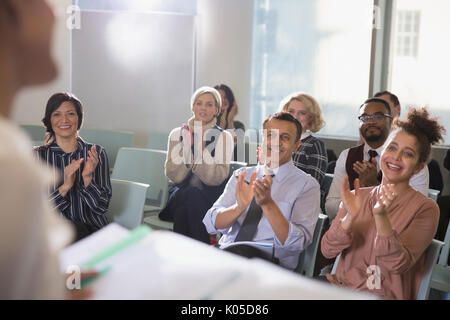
(375, 120)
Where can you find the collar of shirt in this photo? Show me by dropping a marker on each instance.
(366, 151)
(55, 148)
(305, 135)
(377, 158)
(280, 172)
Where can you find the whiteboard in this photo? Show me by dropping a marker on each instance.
(134, 71)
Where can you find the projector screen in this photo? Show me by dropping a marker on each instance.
(134, 71)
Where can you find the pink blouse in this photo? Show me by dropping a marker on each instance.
(392, 266)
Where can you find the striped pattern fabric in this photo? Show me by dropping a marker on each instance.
(83, 204)
(312, 157)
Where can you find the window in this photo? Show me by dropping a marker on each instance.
(177, 6)
(420, 66)
(320, 47)
(408, 23)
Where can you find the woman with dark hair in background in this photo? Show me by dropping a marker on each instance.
(226, 121)
(83, 188)
(382, 232)
(228, 110)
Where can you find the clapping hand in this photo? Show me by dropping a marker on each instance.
(385, 198)
(90, 166)
(244, 190)
(186, 134)
(367, 172)
(69, 176)
(232, 113)
(262, 189)
(351, 201)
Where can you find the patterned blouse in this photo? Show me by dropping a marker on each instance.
(83, 204)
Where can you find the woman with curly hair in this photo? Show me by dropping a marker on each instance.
(382, 232)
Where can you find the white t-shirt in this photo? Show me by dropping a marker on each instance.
(31, 233)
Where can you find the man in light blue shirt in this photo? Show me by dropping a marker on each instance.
(290, 200)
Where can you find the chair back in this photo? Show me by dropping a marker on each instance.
(433, 194)
(110, 140)
(440, 279)
(36, 132)
(443, 258)
(326, 183)
(307, 258)
(333, 271)
(158, 141)
(144, 166)
(251, 153)
(127, 203)
(431, 257)
(324, 189)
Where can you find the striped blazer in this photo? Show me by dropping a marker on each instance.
(83, 204)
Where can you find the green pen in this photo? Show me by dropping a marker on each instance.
(136, 235)
(88, 281)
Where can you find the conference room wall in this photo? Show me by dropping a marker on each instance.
(224, 48)
(223, 54)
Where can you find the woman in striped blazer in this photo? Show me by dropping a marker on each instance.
(82, 188)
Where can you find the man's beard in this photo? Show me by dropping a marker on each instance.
(373, 138)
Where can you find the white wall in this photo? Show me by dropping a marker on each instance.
(224, 48)
(224, 52)
(29, 106)
(133, 70)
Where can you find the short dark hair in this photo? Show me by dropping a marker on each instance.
(392, 96)
(54, 103)
(378, 100)
(285, 116)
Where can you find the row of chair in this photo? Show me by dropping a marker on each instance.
(146, 166)
(113, 140)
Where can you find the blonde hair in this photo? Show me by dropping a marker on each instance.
(316, 120)
(210, 90)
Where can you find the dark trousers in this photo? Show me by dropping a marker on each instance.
(187, 208)
(82, 230)
(250, 252)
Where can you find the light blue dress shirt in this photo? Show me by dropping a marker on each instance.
(297, 195)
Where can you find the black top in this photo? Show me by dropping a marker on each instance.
(82, 204)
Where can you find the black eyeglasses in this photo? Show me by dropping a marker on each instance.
(376, 117)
